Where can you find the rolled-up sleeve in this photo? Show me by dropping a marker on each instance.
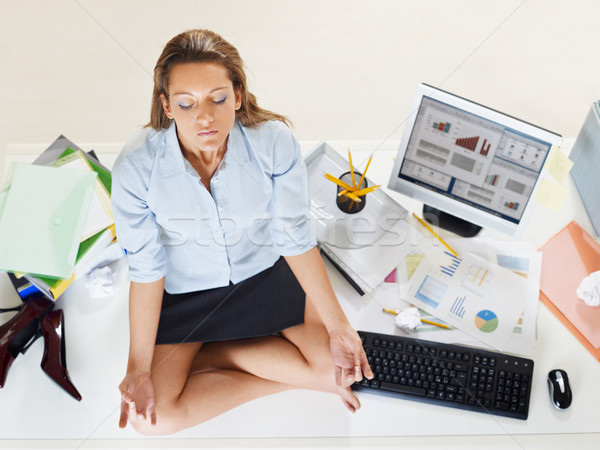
(137, 231)
(289, 208)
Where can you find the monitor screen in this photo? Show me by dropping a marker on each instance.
(471, 161)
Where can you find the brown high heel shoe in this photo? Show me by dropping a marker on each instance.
(19, 332)
(54, 362)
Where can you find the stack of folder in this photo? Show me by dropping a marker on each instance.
(570, 256)
(55, 217)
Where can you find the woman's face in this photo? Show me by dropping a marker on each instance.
(203, 102)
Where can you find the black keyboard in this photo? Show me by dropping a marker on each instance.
(448, 375)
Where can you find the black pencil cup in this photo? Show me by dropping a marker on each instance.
(345, 203)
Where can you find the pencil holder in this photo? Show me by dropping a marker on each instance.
(347, 204)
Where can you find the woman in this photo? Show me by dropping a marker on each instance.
(229, 297)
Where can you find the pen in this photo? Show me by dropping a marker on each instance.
(430, 322)
(435, 234)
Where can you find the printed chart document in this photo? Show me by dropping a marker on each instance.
(42, 219)
(518, 257)
(470, 293)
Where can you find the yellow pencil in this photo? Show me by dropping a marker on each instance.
(351, 169)
(349, 196)
(365, 171)
(353, 196)
(435, 234)
(338, 182)
(360, 192)
(365, 191)
(430, 322)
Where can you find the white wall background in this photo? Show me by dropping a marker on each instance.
(340, 70)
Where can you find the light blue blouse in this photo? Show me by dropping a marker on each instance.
(170, 225)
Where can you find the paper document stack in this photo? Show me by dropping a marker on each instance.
(457, 292)
(55, 218)
(364, 246)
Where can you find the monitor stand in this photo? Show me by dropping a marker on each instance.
(450, 222)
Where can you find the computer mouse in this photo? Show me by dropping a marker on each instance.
(560, 390)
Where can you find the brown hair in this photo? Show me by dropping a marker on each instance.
(196, 46)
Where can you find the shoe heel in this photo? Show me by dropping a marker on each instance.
(19, 332)
(54, 361)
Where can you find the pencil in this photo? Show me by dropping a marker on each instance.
(365, 191)
(353, 196)
(351, 169)
(365, 171)
(435, 234)
(430, 322)
(360, 192)
(338, 182)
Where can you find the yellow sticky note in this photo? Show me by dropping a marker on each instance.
(550, 194)
(558, 165)
(412, 262)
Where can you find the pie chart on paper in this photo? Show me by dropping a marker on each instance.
(486, 321)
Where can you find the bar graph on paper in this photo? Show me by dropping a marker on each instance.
(431, 291)
(451, 266)
(458, 307)
(478, 276)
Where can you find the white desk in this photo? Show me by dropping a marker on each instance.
(32, 407)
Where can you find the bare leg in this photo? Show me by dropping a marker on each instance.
(184, 400)
(300, 357)
(194, 383)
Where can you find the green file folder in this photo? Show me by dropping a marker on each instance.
(42, 217)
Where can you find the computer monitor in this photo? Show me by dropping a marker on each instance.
(470, 165)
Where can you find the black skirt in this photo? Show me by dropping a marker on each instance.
(268, 302)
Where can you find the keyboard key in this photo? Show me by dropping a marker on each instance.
(403, 389)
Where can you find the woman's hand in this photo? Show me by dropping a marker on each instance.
(137, 398)
(348, 357)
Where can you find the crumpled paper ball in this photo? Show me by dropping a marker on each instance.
(409, 319)
(100, 282)
(589, 289)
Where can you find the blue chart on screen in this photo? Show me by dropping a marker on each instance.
(451, 268)
(431, 291)
(458, 307)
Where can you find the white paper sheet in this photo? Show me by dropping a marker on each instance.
(470, 293)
